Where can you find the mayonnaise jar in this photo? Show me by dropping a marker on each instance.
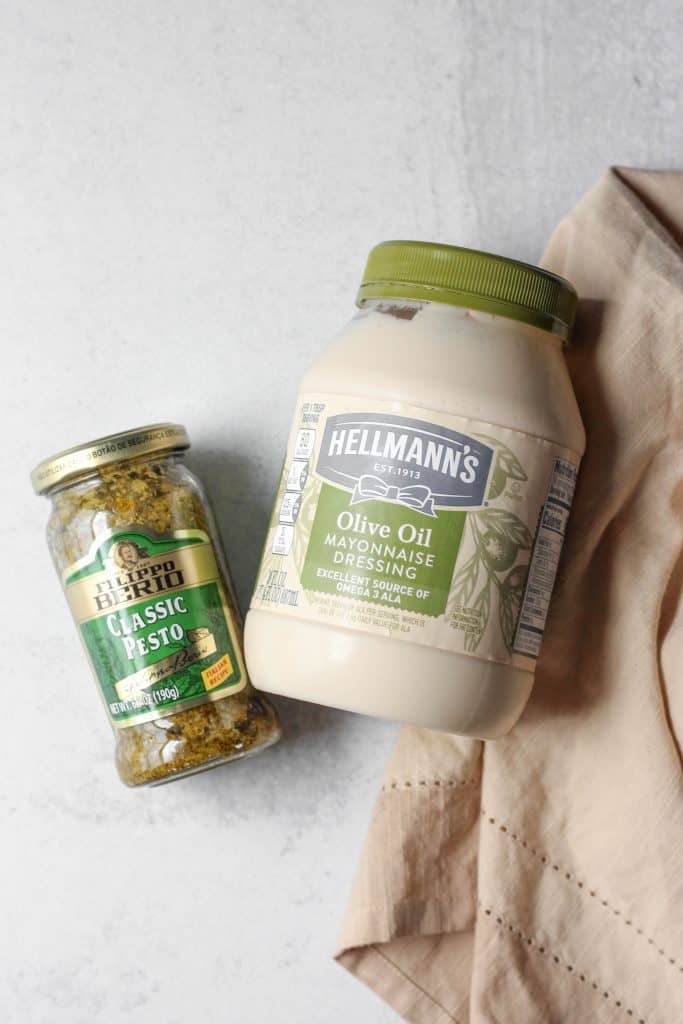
(423, 502)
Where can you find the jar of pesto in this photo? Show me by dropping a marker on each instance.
(135, 544)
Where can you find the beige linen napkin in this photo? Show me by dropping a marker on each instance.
(539, 878)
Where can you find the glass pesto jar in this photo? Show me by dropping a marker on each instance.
(418, 523)
(136, 547)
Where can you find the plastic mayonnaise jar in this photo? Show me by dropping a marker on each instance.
(423, 503)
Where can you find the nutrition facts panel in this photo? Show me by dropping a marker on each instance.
(545, 559)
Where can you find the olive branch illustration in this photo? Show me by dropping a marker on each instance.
(499, 536)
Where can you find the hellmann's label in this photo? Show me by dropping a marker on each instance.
(156, 623)
(432, 528)
(382, 455)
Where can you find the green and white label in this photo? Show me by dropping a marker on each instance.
(397, 521)
(156, 623)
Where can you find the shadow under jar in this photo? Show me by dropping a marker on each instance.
(136, 547)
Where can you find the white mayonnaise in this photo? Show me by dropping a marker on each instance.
(423, 502)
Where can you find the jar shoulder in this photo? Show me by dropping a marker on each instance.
(453, 361)
(163, 496)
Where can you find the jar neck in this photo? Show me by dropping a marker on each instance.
(409, 309)
(97, 475)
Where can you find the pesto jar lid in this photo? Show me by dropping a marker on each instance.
(472, 279)
(129, 444)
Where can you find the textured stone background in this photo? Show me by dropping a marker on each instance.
(188, 192)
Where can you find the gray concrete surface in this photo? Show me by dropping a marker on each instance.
(187, 195)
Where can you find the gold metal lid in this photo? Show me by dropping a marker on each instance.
(129, 444)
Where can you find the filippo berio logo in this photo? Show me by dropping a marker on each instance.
(404, 461)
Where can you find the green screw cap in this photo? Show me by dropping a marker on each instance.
(469, 278)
